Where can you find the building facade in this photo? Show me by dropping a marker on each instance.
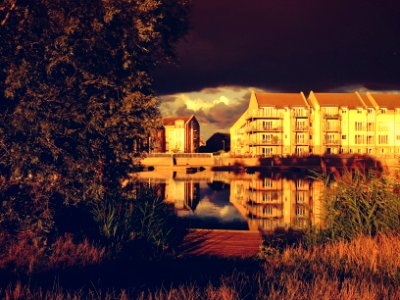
(324, 123)
(178, 135)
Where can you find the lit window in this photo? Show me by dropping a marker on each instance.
(383, 139)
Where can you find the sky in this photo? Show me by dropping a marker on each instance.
(235, 46)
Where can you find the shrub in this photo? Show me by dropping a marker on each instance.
(358, 204)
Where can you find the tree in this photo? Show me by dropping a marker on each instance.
(75, 95)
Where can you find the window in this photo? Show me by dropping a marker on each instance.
(382, 139)
(330, 139)
(267, 210)
(301, 125)
(370, 126)
(398, 137)
(300, 138)
(359, 110)
(267, 125)
(267, 182)
(300, 197)
(266, 138)
(359, 139)
(300, 211)
(383, 110)
(267, 197)
(359, 126)
(344, 136)
(267, 151)
(370, 139)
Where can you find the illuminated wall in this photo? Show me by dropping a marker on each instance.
(180, 134)
(325, 123)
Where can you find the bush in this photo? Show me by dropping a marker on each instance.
(358, 204)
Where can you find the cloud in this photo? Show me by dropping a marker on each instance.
(216, 109)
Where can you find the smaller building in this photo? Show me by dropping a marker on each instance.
(218, 141)
(178, 135)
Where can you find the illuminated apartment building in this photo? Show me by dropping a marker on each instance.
(273, 124)
(325, 123)
(179, 135)
(355, 123)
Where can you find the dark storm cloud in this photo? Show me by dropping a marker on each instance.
(288, 45)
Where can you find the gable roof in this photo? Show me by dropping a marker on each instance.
(367, 101)
(350, 100)
(389, 101)
(281, 100)
(172, 120)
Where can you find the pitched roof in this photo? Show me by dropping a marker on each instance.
(349, 100)
(171, 121)
(390, 101)
(280, 100)
(367, 101)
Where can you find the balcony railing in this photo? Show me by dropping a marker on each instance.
(331, 115)
(266, 142)
(300, 115)
(264, 129)
(301, 141)
(332, 129)
(265, 115)
(332, 142)
(301, 128)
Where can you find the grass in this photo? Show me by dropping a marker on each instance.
(363, 268)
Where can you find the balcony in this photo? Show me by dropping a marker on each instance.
(272, 142)
(264, 129)
(332, 129)
(301, 142)
(332, 142)
(331, 115)
(301, 128)
(265, 115)
(297, 115)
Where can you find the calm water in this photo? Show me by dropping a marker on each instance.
(222, 200)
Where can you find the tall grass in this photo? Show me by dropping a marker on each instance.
(363, 268)
(356, 204)
(143, 223)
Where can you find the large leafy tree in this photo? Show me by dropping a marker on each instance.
(76, 88)
(75, 92)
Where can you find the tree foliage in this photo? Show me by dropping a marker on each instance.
(76, 83)
(76, 95)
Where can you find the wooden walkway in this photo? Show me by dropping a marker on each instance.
(223, 243)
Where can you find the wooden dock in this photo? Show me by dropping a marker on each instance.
(222, 243)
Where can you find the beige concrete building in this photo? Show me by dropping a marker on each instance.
(179, 135)
(273, 124)
(324, 123)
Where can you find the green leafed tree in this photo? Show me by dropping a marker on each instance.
(75, 91)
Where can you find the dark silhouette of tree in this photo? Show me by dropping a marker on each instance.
(75, 93)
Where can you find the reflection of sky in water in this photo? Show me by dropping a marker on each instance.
(214, 210)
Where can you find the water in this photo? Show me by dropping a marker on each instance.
(257, 202)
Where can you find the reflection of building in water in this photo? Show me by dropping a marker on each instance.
(185, 194)
(270, 203)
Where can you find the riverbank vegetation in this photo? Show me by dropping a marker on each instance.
(362, 268)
